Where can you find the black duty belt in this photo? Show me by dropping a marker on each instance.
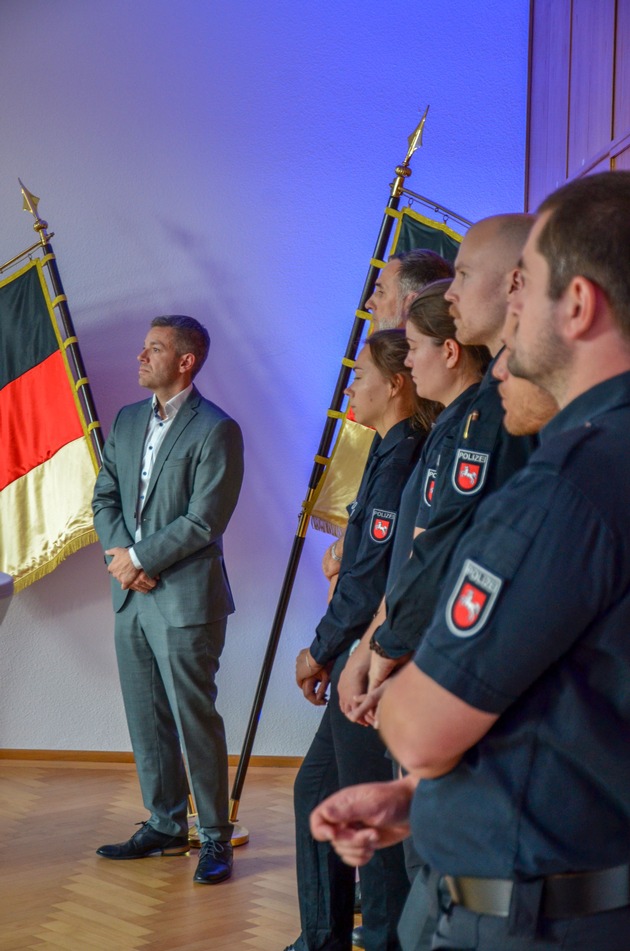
(563, 896)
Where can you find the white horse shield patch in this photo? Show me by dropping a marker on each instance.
(382, 525)
(471, 602)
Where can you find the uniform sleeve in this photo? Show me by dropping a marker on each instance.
(412, 599)
(520, 591)
(362, 584)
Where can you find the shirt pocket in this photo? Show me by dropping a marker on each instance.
(178, 462)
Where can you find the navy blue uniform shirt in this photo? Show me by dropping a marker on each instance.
(480, 458)
(367, 544)
(534, 624)
(417, 497)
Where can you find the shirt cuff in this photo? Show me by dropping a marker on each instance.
(318, 653)
(135, 559)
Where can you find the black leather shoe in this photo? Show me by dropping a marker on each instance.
(146, 841)
(215, 862)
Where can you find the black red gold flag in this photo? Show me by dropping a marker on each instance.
(47, 464)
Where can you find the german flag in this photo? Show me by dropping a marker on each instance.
(47, 465)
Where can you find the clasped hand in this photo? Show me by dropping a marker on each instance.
(122, 568)
(312, 678)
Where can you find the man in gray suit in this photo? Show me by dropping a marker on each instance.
(171, 476)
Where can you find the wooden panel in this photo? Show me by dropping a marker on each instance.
(588, 103)
(548, 98)
(591, 82)
(622, 70)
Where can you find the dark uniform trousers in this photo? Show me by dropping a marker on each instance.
(344, 754)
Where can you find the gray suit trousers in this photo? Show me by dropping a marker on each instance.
(167, 675)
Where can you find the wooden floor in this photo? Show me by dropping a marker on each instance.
(57, 895)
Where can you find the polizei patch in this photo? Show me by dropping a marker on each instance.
(469, 471)
(429, 486)
(382, 525)
(470, 604)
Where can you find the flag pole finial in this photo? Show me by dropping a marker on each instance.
(414, 142)
(30, 204)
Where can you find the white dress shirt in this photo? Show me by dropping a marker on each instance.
(156, 431)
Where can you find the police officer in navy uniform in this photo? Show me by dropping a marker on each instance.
(449, 372)
(430, 326)
(381, 395)
(480, 457)
(515, 715)
(475, 459)
(397, 285)
(446, 371)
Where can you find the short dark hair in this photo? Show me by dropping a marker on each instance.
(420, 267)
(190, 337)
(430, 315)
(389, 349)
(588, 234)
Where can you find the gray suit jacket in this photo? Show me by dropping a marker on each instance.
(193, 490)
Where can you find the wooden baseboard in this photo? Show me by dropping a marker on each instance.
(122, 756)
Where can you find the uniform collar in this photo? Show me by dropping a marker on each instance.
(392, 437)
(588, 406)
(488, 379)
(453, 407)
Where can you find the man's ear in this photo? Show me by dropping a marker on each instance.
(406, 303)
(186, 362)
(580, 306)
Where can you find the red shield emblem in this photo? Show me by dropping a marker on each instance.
(382, 525)
(429, 486)
(472, 599)
(468, 605)
(469, 472)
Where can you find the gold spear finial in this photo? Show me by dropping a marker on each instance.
(403, 171)
(31, 201)
(30, 204)
(415, 139)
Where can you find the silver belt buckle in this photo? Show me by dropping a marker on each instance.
(484, 896)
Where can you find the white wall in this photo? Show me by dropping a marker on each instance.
(230, 159)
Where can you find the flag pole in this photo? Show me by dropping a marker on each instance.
(403, 172)
(70, 342)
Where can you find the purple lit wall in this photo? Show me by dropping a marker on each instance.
(230, 159)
